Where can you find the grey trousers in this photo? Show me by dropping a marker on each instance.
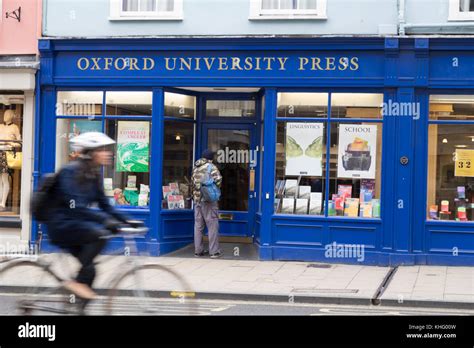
(206, 214)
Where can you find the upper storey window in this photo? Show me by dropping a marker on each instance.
(146, 9)
(288, 9)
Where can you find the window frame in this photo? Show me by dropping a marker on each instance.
(116, 12)
(103, 118)
(453, 122)
(456, 15)
(329, 121)
(257, 13)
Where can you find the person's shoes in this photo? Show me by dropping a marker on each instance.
(216, 255)
(202, 253)
(79, 289)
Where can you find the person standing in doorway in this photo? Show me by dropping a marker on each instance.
(206, 211)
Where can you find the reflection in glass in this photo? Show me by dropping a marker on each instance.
(452, 107)
(128, 103)
(303, 105)
(234, 170)
(356, 105)
(179, 105)
(230, 108)
(79, 103)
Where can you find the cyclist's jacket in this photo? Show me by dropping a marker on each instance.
(78, 189)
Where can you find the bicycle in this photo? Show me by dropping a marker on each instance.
(49, 295)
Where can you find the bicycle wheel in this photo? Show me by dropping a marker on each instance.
(133, 293)
(39, 288)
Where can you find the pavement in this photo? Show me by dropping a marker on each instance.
(245, 278)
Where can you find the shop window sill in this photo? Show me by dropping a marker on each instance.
(127, 210)
(10, 222)
(469, 224)
(329, 218)
(176, 211)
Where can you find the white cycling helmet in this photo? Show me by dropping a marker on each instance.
(90, 141)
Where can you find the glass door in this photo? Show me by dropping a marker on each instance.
(235, 157)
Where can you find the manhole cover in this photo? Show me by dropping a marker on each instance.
(318, 265)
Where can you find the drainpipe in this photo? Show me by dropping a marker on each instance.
(401, 17)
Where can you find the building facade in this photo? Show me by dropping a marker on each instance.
(20, 28)
(350, 147)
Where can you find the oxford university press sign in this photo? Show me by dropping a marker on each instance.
(292, 67)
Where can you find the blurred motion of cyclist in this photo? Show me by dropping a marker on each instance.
(73, 225)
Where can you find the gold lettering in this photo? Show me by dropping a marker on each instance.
(209, 62)
(223, 63)
(316, 63)
(108, 63)
(145, 64)
(303, 61)
(80, 64)
(354, 63)
(269, 61)
(117, 66)
(96, 61)
(198, 63)
(236, 64)
(343, 63)
(257, 63)
(167, 63)
(248, 64)
(185, 63)
(330, 63)
(282, 62)
(133, 64)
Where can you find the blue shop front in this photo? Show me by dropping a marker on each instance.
(352, 150)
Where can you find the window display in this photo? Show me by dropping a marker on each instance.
(451, 160)
(177, 165)
(354, 161)
(10, 156)
(230, 108)
(127, 181)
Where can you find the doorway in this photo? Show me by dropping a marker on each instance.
(229, 127)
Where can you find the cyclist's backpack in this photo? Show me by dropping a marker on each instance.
(209, 190)
(43, 200)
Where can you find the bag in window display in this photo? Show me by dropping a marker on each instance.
(357, 156)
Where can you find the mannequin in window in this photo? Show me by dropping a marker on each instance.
(8, 131)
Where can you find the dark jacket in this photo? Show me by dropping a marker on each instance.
(79, 187)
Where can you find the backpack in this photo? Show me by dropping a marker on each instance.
(209, 190)
(43, 200)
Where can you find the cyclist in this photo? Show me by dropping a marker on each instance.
(73, 224)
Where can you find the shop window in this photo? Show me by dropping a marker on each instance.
(461, 10)
(66, 129)
(300, 168)
(230, 108)
(127, 180)
(180, 105)
(354, 161)
(450, 191)
(303, 105)
(146, 9)
(79, 103)
(361, 105)
(177, 164)
(11, 114)
(285, 9)
(355, 169)
(128, 103)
